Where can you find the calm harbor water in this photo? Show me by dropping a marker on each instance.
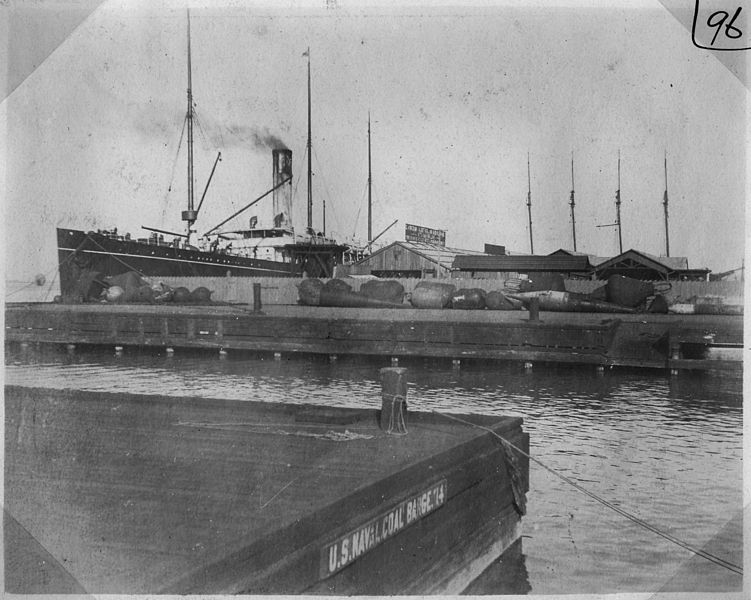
(668, 450)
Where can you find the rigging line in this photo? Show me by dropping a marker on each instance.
(174, 162)
(328, 192)
(55, 268)
(698, 551)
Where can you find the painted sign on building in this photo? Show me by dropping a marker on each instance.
(416, 233)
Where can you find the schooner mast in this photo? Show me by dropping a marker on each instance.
(370, 191)
(665, 204)
(529, 207)
(310, 158)
(618, 206)
(573, 218)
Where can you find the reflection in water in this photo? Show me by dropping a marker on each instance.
(665, 449)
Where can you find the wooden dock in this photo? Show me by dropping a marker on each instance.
(605, 340)
(128, 494)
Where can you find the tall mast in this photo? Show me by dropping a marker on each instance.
(529, 207)
(665, 204)
(573, 218)
(370, 191)
(310, 163)
(189, 215)
(618, 206)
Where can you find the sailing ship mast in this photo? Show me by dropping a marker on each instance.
(665, 204)
(618, 206)
(370, 191)
(310, 158)
(573, 218)
(529, 207)
(190, 215)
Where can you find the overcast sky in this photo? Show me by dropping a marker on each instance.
(458, 97)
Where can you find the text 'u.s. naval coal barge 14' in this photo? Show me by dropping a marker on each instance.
(277, 251)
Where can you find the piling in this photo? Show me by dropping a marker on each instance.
(394, 400)
(256, 297)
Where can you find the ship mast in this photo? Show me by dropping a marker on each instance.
(618, 206)
(665, 204)
(573, 218)
(310, 163)
(529, 207)
(370, 194)
(189, 215)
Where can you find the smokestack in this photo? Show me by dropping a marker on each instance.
(282, 196)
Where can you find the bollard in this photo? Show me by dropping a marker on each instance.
(277, 356)
(534, 309)
(527, 366)
(456, 363)
(600, 370)
(222, 353)
(394, 361)
(333, 358)
(118, 350)
(393, 400)
(71, 348)
(256, 297)
(170, 351)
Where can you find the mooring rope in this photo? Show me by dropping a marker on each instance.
(698, 551)
(55, 269)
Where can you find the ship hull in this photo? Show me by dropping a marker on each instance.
(79, 251)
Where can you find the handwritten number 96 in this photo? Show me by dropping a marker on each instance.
(717, 19)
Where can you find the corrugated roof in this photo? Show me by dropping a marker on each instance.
(668, 263)
(521, 263)
(440, 255)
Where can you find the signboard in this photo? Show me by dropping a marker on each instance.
(415, 233)
(337, 555)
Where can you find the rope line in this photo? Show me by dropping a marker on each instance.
(55, 269)
(698, 551)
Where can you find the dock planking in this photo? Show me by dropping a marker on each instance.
(122, 493)
(632, 340)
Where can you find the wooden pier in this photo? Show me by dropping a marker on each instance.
(628, 340)
(111, 493)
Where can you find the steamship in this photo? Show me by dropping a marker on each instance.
(278, 250)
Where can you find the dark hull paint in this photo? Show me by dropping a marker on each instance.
(79, 251)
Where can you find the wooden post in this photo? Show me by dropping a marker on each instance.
(534, 309)
(256, 297)
(394, 399)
